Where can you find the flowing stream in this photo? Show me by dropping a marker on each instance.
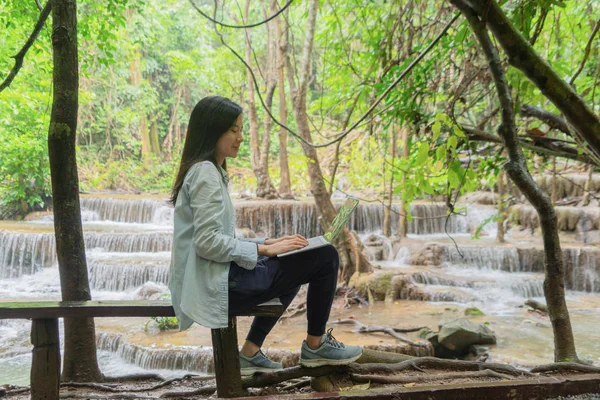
(128, 243)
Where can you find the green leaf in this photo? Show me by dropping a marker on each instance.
(440, 152)
(458, 132)
(436, 129)
(452, 142)
(423, 154)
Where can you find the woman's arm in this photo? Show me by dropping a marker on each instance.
(206, 201)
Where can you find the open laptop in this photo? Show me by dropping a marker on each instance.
(336, 227)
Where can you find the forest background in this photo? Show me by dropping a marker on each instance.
(144, 65)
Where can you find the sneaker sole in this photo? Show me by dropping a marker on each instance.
(319, 362)
(252, 370)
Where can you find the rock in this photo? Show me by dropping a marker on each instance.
(459, 334)
(438, 350)
(150, 291)
(473, 312)
(377, 247)
(484, 198)
(430, 255)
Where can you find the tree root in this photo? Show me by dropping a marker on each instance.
(394, 332)
(296, 385)
(134, 377)
(386, 357)
(565, 366)
(486, 373)
(112, 389)
(437, 363)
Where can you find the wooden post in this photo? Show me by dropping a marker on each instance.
(227, 361)
(45, 363)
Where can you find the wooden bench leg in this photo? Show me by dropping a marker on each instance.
(227, 361)
(45, 362)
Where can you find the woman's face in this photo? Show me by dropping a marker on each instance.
(229, 143)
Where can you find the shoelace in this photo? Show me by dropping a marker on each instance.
(332, 341)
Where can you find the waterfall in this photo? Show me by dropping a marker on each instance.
(496, 258)
(139, 210)
(25, 253)
(196, 359)
(120, 276)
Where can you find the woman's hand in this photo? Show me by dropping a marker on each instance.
(273, 241)
(274, 247)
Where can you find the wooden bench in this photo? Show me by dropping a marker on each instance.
(45, 363)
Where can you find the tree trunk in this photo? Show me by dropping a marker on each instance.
(554, 197)
(135, 76)
(387, 225)
(285, 185)
(154, 135)
(167, 144)
(317, 184)
(501, 216)
(264, 187)
(588, 185)
(516, 167)
(402, 220)
(80, 362)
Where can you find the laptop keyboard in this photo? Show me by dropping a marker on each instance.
(317, 241)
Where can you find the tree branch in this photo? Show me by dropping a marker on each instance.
(522, 56)
(552, 120)
(214, 21)
(365, 115)
(545, 146)
(21, 54)
(586, 53)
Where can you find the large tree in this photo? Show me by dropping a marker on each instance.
(352, 259)
(80, 361)
(484, 14)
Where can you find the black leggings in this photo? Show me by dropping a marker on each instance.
(282, 277)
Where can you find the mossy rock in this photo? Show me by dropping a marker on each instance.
(474, 312)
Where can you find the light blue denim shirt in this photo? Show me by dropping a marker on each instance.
(204, 244)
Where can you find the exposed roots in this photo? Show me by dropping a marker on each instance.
(486, 373)
(394, 332)
(565, 366)
(420, 363)
(114, 389)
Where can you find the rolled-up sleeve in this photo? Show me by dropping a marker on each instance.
(206, 201)
(254, 240)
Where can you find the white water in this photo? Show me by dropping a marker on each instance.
(128, 253)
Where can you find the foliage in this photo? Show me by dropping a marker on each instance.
(164, 323)
(24, 169)
(144, 65)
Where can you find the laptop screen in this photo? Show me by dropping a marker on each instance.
(340, 219)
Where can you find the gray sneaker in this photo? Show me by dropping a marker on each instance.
(330, 352)
(258, 363)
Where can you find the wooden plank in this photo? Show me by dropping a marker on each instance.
(539, 388)
(227, 360)
(45, 362)
(111, 308)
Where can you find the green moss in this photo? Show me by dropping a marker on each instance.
(59, 130)
(474, 312)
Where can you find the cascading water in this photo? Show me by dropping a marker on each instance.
(128, 246)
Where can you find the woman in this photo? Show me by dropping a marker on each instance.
(214, 274)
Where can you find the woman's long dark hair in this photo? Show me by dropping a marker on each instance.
(211, 118)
